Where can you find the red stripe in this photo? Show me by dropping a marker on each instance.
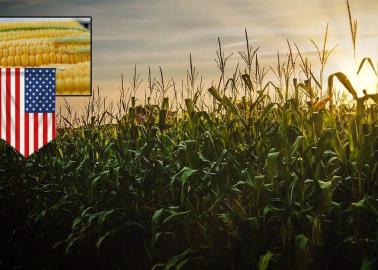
(35, 132)
(53, 125)
(8, 105)
(17, 107)
(45, 128)
(26, 133)
(0, 102)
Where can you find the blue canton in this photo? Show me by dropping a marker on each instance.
(39, 90)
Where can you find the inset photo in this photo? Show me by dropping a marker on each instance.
(53, 42)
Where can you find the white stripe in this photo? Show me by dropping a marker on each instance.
(3, 103)
(40, 130)
(22, 111)
(13, 108)
(49, 127)
(31, 133)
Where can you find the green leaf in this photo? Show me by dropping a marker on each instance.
(102, 238)
(60, 152)
(369, 204)
(247, 80)
(175, 215)
(72, 39)
(301, 241)
(369, 263)
(174, 261)
(271, 163)
(303, 256)
(264, 260)
(370, 62)
(344, 81)
(325, 185)
(157, 217)
(186, 174)
(102, 217)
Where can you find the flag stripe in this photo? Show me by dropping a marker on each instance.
(31, 133)
(17, 108)
(45, 128)
(40, 130)
(26, 138)
(12, 107)
(53, 126)
(35, 130)
(8, 103)
(22, 112)
(50, 127)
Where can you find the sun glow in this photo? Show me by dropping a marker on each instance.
(366, 79)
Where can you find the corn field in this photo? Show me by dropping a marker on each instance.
(250, 173)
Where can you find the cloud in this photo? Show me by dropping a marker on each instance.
(21, 2)
(10, 4)
(239, 44)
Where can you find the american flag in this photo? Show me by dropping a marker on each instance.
(27, 108)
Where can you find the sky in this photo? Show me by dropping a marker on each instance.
(164, 33)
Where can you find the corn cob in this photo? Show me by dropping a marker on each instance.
(13, 25)
(42, 33)
(42, 52)
(50, 45)
(41, 42)
(73, 79)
